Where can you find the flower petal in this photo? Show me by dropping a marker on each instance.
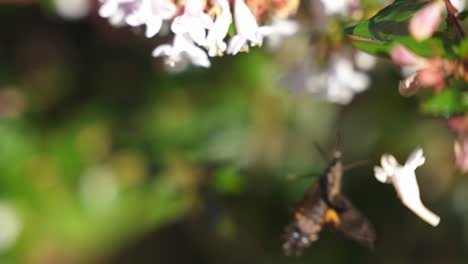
(381, 175)
(404, 57)
(153, 26)
(426, 21)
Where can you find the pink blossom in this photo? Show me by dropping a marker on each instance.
(426, 21)
(404, 57)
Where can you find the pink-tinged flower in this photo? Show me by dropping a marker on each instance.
(215, 39)
(194, 22)
(246, 27)
(152, 13)
(429, 72)
(432, 76)
(181, 50)
(426, 21)
(404, 180)
(404, 57)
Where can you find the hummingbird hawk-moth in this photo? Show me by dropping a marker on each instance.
(324, 206)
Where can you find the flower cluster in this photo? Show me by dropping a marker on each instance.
(429, 72)
(201, 27)
(336, 72)
(343, 78)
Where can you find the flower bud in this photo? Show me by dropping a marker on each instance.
(402, 56)
(426, 21)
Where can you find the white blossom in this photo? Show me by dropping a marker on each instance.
(339, 7)
(364, 61)
(340, 83)
(152, 13)
(193, 22)
(117, 10)
(181, 50)
(404, 180)
(215, 39)
(247, 28)
(278, 29)
(73, 9)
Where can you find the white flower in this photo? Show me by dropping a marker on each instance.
(340, 83)
(181, 50)
(152, 13)
(117, 10)
(194, 21)
(364, 61)
(278, 29)
(339, 7)
(404, 180)
(73, 9)
(246, 27)
(215, 39)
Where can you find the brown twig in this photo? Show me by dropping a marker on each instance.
(452, 17)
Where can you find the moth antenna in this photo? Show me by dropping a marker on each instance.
(338, 142)
(355, 164)
(294, 177)
(321, 152)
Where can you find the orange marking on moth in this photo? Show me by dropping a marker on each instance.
(298, 213)
(331, 216)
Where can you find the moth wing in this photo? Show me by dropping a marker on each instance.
(307, 223)
(353, 224)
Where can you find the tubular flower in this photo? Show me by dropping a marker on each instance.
(152, 13)
(193, 22)
(215, 39)
(183, 49)
(403, 178)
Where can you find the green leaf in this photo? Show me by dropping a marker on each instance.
(389, 26)
(452, 100)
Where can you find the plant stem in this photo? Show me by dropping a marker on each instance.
(452, 18)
